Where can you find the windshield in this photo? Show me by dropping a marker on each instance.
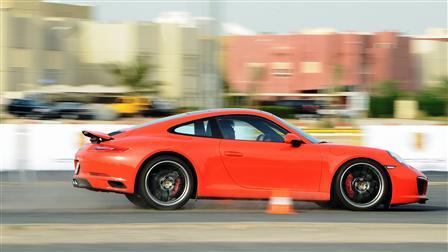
(299, 131)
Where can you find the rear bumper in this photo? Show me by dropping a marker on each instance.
(98, 181)
(81, 183)
(102, 171)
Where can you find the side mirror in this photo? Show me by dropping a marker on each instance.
(293, 139)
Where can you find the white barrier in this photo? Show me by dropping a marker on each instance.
(43, 146)
(52, 146)
(423, 146)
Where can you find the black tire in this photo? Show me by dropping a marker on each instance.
(137, 200)
(361, 184)
(166, 183)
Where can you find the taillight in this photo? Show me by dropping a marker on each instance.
(77, 167)
(108, 148)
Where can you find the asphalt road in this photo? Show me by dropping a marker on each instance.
(43, 212)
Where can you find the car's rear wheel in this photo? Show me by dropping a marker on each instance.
(166, 183)
(137, 200)
(361, 185)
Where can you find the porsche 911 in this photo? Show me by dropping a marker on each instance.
(240, 154)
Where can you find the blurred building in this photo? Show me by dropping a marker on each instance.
(44, 44)
(48, 44)
(101, 44)
(312, 61)
(430, 52)
(170, 49)
(38, 43)
(174, 49)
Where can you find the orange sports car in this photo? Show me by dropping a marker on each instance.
(240, 154)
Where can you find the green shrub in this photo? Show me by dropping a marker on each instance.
(280, 111)
(381, 106)
(382, 100)
(431, 104)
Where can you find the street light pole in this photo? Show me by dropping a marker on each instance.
(211, 87)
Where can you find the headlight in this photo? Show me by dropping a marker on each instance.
(397, 158)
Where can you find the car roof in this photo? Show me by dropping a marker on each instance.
(224, 111)
(193, 115)
(199, 114)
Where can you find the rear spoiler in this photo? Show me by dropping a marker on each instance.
(96, 137)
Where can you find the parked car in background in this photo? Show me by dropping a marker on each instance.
(73, 110)
(129, 105)
(32, 109)
(300, 107)
(45, 112)
(123, 105)
(353, 105)
(159, 108)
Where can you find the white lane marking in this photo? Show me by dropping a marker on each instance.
(205, 232)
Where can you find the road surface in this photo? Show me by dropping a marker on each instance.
(43, 212)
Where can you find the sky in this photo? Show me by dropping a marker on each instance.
(287, 16)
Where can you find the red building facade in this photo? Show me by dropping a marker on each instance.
(311, 62)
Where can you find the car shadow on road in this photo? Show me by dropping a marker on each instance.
(415, 208)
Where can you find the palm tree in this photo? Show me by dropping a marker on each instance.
(134, 75)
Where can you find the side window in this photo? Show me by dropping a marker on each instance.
(250, 128)
(196, 128)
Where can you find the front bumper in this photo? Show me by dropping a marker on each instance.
(422, 188)
(408, 185)
(422, 185)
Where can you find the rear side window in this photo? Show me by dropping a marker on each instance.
(196, 128)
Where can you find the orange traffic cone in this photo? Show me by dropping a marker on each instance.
(280, 203)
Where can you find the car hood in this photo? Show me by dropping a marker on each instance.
(339, 149)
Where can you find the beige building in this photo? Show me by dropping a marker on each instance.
(45, 44)
(38, 43)
(171, 50)
(431, 56)
(45, 9)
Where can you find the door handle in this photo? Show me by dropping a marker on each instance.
(233, 153)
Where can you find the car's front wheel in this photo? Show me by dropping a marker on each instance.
(166, 183)
(361, 185)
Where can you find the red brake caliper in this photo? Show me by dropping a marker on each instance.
(176, 187)
(348, 185)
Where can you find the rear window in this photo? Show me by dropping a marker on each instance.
(164, 119)
(196, 128)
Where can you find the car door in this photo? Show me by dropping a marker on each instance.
(255, 156)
